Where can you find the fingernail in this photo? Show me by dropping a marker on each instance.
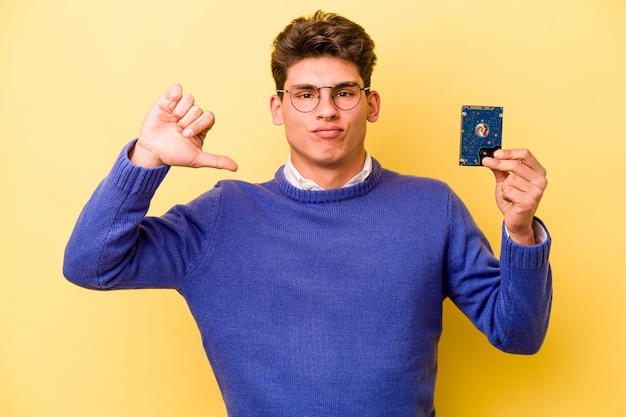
(498, 153)
(188, 132)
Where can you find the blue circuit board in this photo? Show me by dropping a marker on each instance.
(481, 133)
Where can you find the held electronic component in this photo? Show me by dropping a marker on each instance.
(481, 133)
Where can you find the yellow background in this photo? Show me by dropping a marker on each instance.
(77, 77)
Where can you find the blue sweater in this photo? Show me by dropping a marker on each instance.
(316, 303)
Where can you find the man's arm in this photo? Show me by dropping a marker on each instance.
(102, 250)
(113, 244)
(508, 299)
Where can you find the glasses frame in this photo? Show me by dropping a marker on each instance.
(319, 94)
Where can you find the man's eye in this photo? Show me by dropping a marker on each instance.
(344, 93)
(304, 94)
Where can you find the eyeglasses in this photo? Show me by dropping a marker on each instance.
(305, 98)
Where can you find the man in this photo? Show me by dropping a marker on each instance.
(319, 292)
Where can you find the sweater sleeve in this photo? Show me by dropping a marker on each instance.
(115, 246)
(509, 299)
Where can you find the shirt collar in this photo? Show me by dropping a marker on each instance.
(297, 180)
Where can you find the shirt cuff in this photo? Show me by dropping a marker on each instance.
(541, 234)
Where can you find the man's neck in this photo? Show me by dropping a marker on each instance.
(328, 178)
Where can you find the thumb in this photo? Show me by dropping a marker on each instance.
(207, 160)
(492, 164)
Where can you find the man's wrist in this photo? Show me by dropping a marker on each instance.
(141, 157)
(538, 235)
(525, 239)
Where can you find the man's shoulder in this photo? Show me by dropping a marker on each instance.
(233, 189)
(398, 179)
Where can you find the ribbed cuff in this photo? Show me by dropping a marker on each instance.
(135, 179)
(526, 257)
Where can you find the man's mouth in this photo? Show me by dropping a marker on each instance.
(328, 132)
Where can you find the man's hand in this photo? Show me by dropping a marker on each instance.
(520, 183)
(173, 133)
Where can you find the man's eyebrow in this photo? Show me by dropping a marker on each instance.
(339, 84)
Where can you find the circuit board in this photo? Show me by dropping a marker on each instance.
(481, 133)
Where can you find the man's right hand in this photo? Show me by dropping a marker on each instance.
(173, 133)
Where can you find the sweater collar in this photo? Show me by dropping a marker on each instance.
(328, 196)
(296, 179)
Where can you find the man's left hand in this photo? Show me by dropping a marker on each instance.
(520, 184)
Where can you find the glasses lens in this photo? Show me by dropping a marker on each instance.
(346, 96)
(304, 98)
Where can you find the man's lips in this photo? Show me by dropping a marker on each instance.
(328, 132)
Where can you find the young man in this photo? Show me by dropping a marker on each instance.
(319, 292)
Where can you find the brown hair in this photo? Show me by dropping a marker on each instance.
(323, 34)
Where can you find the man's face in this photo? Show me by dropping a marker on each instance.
(327, 137)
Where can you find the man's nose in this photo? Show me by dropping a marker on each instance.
(327, 103)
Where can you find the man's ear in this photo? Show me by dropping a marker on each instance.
(373, 108)
(276, 108)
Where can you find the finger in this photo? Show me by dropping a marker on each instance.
(517, 166)
(521, 155)
(172, 95)
(535, 176)
(521, 184)
(532, 189)
(500, 176)
(197, 126)
(208, 160)
(502, 168)
(191, 116)
(517, 189)
(170, 98)
(524, 200)
(183, 105)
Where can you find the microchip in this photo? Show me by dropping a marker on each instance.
(481, 133)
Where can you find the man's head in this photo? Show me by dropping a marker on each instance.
(322, 35)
